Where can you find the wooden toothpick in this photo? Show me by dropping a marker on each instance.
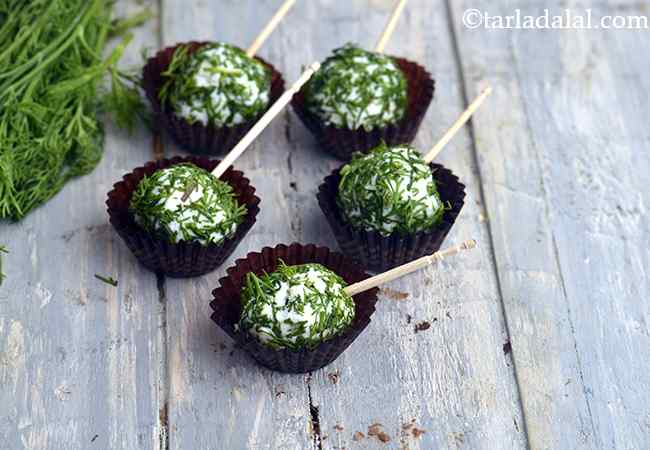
(407, 268)
(268, 29)
(390, 26)
(264, 121)
(462, 120)
(257, 128)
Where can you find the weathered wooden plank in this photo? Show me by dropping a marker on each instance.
(564, 164)
(451, 380)
(78, 358)
(461, 392)
(218, 397)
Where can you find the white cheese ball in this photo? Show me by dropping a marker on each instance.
(209, 215)
(217, 85)
(389, 190)
(296, 306)
(357, 89)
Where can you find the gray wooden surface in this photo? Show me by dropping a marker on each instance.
(538, 339)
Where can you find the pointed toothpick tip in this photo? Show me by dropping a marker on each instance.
(457, 126)
(390, 26)
(269, 28)
(470, 244)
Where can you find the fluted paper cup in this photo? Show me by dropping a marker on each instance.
(186, 258)
(380, 253)
(343, 142)
(197, 138)
(227, 306)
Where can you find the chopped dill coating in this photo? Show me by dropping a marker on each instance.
(217, 85)
(390, 190)
(357, 89)
(295, 306)
(209, 215)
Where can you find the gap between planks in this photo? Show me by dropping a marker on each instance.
(474, 151)
(164, 389)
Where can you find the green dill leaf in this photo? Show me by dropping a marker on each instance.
(120, 26)
(125, 102)
(107, 280)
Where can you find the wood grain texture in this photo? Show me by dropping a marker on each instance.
(563, 157)
(449, 378)
(433, 357)
(218, 396)
(538, 339)
(79, 358)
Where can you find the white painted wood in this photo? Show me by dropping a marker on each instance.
(563, 157)
(558, 153)
(78, 358)
(460, 365)
(218, 396)
(390, 26)
(452, 378)
(457, 126)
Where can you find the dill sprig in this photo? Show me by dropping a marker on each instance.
(122, 26)
(108, 280)
(51, 69)
(3, 249)
(312, 309)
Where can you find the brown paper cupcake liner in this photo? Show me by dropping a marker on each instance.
(197, 138)
(342, 142)
(227, 306)
(185, 259)
(380, 253)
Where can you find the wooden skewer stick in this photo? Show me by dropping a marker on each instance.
(268, 29)
(407, 268)
(264, 121)
(462, 120)
(261, 124)
(390, 26)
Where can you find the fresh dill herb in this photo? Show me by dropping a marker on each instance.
(51, 69)
(108, 280)
(209, 215)
(3, 249)
(121, 26)
(390, 190)
(357, 89)
(125, 101)
(295, 306)
(218, 85)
